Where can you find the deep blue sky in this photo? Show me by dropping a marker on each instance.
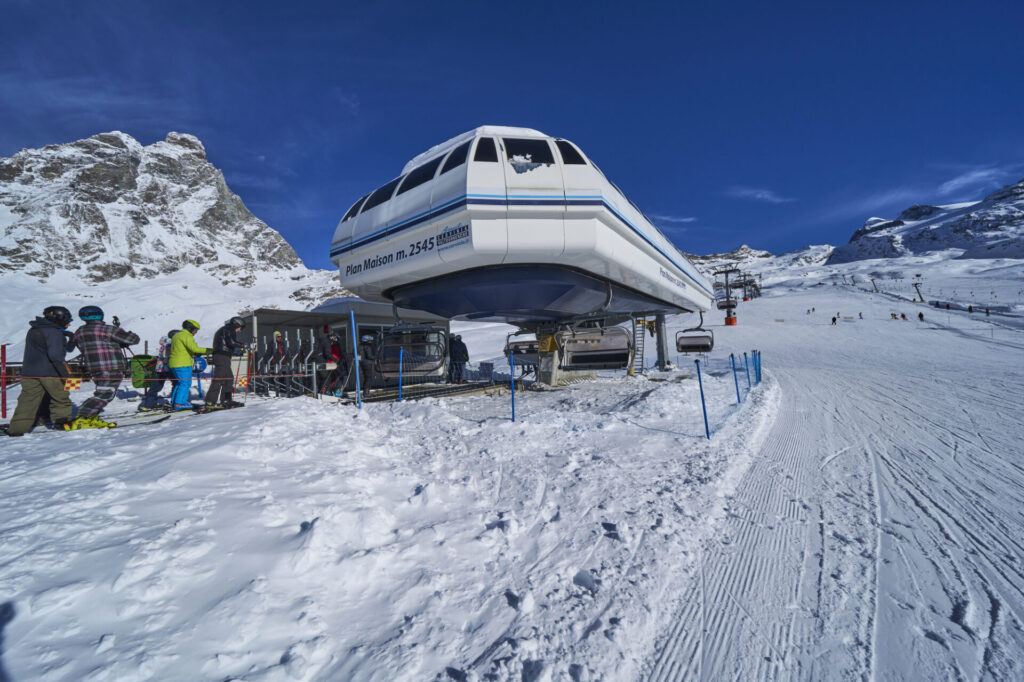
(773, 124)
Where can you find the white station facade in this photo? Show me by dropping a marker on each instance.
(511, 225)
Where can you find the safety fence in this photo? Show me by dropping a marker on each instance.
(746, 373)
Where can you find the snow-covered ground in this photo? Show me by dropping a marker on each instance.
(858, 516)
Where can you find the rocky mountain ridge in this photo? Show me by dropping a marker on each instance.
(990, 228)
(107, 207)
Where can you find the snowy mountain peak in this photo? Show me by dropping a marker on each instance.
(990, 228)
(107, 207)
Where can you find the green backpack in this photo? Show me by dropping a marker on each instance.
(143, 370)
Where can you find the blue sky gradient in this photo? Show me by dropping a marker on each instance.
(772, 124)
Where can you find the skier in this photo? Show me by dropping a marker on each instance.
(833, 321)
(43, 372)
(970, 308)
(225, 346)
(183, 352)
(986, 312)
(101, 345)
(860, 315)
(367, 361)
(920, 317)
(903, 316)
(163, 373)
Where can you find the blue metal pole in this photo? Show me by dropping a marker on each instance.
(747, 365)
(703, 405)
(735, 379)
(512, 381)
(758, 357)
(401, 357)
(355, 356)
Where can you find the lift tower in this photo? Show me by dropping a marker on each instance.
(729, 303)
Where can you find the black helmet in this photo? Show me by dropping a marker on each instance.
(190, 326)
(58, 314)
(236, 321)
(171, 333)
(91, 312)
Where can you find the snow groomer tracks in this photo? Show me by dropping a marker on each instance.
(879, 532)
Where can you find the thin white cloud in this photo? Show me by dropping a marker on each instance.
(974, 180)
(899, 197)
(757, 194)
(673, 218)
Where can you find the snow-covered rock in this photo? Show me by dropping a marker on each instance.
(152, 232)
(990, 228)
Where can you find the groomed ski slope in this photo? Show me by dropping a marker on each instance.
(859, 516)
(879, 531)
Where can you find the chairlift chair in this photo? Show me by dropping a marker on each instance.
(421, 349)
(726, 303)
(696, 339)
(595, 348)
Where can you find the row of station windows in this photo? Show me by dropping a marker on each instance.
(535, 150)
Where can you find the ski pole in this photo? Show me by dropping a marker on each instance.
(703, 405)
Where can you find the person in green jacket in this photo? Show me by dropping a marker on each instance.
(183, 352)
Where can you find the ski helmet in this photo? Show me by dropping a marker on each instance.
(366, 338)
(190, 326)
(171, 333)
(236, 321)
(58, 314)
(90, 312)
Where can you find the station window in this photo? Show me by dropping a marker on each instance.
(355, 208)
(457, 157)
(570, 155)
(485, 150)
(536, 151)
(417, 176)
(381, 195)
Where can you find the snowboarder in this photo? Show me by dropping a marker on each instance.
(163, 373)
(226, 345)
(43, 372)
(833, 321)
(183, 352)
(101, 345)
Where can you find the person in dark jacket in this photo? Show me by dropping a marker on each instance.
(43, 372)
(458, 356)
(367, 361)
(226, 345)
(100, 345)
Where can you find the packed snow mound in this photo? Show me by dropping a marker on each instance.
(107, 207)
(990, 228)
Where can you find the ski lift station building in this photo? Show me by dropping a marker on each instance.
(297, 326)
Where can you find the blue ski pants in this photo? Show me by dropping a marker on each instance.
(182, 387)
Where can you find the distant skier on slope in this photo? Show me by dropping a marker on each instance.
(183, 352)
(101, 345)
(43, 372)
(833, 321)
(920, 317)
(226, 345)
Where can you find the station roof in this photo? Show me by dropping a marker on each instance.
(338, 310)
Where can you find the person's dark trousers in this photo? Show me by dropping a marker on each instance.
(223, 381)
(32, 392)
(366, 375)
(152, 398)
(106, 389)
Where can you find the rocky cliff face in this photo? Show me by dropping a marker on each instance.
(106, 208)
(990, 228)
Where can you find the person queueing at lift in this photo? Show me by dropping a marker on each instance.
(461, 358)
(183, 352)
(367, 361)
(100, 344)
(226, 345)
(43, 372)
(163, 373)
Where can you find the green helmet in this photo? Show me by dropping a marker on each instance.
(190, 325)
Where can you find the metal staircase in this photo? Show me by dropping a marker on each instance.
(639, 332)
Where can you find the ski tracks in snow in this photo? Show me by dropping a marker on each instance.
(878, 534)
